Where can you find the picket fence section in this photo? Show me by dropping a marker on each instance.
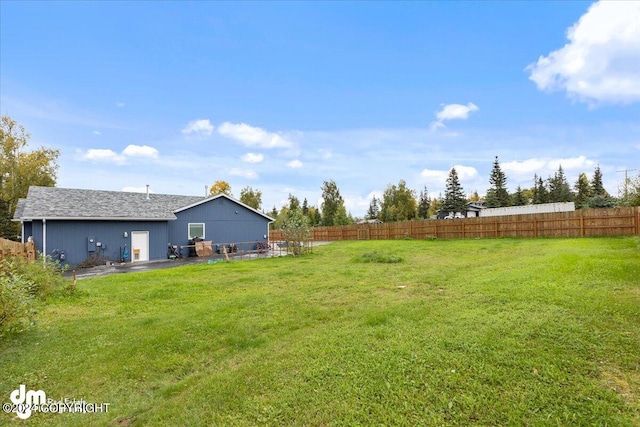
(623, 221)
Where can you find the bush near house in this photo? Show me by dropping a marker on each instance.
(24, 285)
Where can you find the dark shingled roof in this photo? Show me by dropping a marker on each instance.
(67, 203)
(19, 208)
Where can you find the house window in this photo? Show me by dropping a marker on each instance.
(196, 230)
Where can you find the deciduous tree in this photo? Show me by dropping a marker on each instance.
(398, 203)
(251, 197)
(20, 169)
(220, 187)
(333, 209)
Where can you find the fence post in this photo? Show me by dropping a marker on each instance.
(581, 223)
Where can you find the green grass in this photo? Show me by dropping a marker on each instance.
(476, 332)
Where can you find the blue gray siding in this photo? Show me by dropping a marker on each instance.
(27, 231)
(71, 237)
(225, 222)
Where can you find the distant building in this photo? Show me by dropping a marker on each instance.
(478, 209)
(368, 221)
(529, 209)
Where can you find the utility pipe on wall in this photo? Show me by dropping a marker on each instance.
(44, 240)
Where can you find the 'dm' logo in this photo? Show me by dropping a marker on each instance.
(26, 400)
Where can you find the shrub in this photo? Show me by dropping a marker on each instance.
(378, 257)
(296, 232)
(23, 285)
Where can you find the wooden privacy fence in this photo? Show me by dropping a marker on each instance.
(11, 248)
(580, 223)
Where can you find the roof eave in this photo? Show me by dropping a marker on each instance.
(84, 218)
(208, 199)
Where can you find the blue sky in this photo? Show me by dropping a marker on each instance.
(283, 96)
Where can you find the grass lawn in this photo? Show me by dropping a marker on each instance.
(461, 332)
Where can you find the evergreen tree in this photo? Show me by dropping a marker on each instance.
(583, 191)
(559, 190)
(398, 203)
(519, 198)
(540, 192)
(274, 212)
(454, 199)
(305, 207)
(374, 209)
(294, 203)
(497, 195)
(317, 217)
(424, 202)
(597, 188)
(333, 209)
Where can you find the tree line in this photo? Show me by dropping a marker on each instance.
(20, 169)
(400, 203)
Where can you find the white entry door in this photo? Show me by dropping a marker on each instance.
(139, 246)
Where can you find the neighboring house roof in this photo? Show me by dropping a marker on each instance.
(75, 204)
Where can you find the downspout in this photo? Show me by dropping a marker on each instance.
(44, 240)
(22, 233)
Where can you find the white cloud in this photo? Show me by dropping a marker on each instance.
(600, 61)
(97, 133)
(434, 176)
(202, 127)
(295, 164)
(109, 156)
(140, 151)
(440, 176)
(453, 112)
(546, 166)
(528, 166)
(119, 104)
(245, 173)
(253, 136)
(103, 155)
(252, 158)
(578, 163)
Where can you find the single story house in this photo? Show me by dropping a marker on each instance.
(115, 226)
